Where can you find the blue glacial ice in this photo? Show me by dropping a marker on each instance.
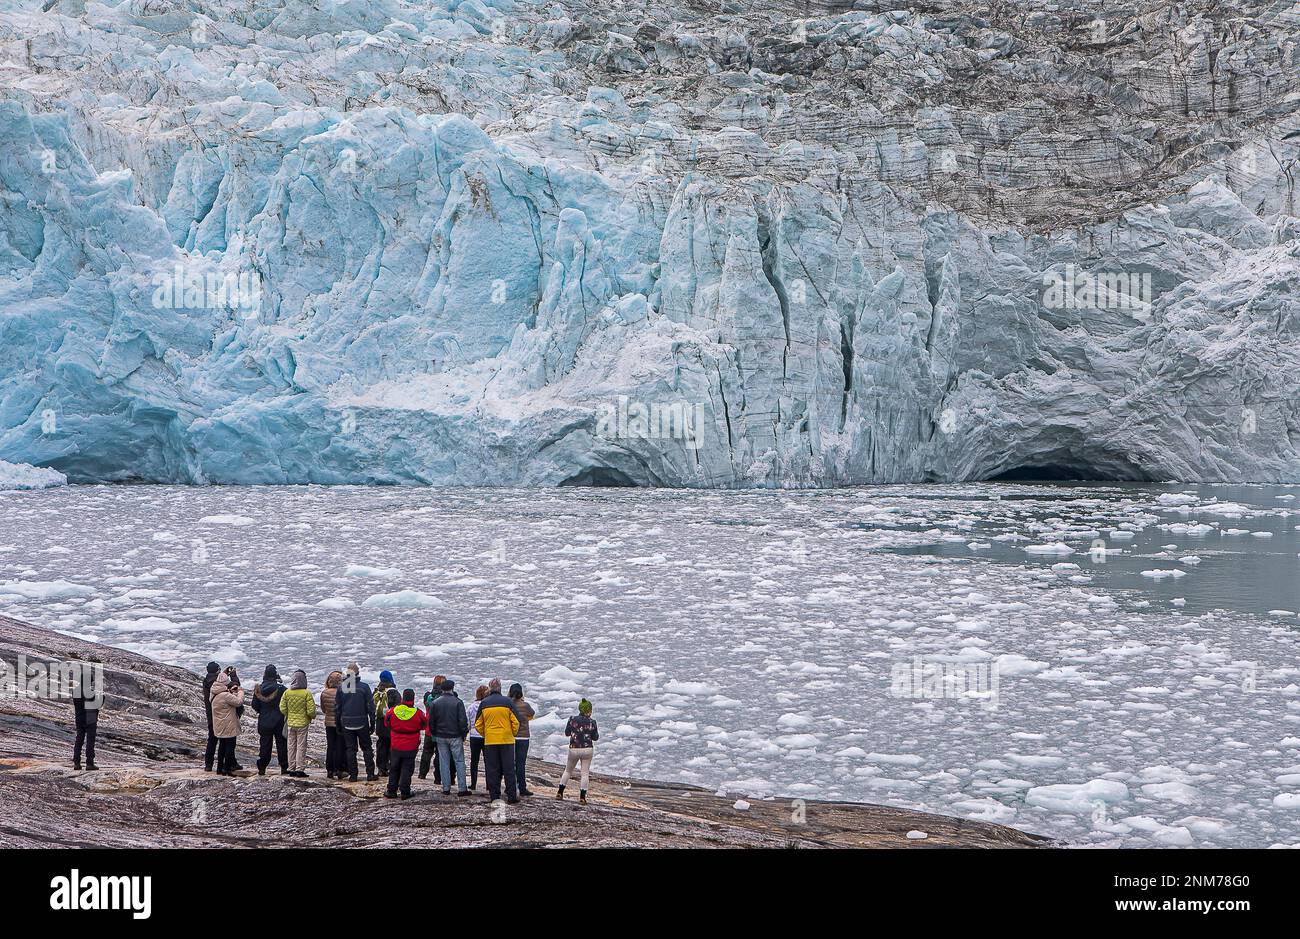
(388, 242)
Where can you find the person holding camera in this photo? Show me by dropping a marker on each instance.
(227, 701)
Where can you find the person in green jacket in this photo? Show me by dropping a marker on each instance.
(299, 710)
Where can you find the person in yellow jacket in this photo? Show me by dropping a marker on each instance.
(498, 724)
(299, 710)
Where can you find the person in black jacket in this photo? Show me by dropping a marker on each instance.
(210, 754)
(450, 726)
(270, 722)
(86, 702)
(354, 714)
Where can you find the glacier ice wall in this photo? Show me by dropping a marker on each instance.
(469, 242)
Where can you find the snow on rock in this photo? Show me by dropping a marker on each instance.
(524, 243)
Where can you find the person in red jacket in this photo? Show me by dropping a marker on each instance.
(404, 722)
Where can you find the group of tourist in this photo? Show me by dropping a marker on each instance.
(495, 724)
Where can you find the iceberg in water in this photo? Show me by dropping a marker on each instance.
(22, 476)
(471, 242)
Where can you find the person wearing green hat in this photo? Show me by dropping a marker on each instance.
(583, 734)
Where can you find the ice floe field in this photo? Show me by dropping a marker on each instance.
(1000, 652)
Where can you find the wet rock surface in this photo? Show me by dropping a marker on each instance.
(150, 789)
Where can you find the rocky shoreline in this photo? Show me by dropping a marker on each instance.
(151, 791)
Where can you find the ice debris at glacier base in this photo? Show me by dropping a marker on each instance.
(426, 243)
(22, 476)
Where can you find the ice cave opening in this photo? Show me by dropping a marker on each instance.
(602, 476)
(1116, 470)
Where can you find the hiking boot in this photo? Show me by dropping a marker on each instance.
(77, 764)
(525, 792)
(406, 795)
(370, 777)
(352, 779)
(514, 801)
(389, 795)
(582, 797)
(261, 771)
(464, 792)
(559, 793)
(91, 765)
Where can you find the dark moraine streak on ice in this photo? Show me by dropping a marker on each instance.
(753, 641)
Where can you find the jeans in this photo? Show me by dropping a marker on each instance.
(401, 764)
(333, 750)
(297, 749)
(226, 754)
(451, 752)
(475, 751)
(210, 752)
(350, 740)
(87, 723)
(582, 758)
(499, 761)
(521, 761)
(383, 746)
(281, 749)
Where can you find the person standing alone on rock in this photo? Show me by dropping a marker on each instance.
(333, 736)
(86, 702)
(524, 711)
(583, 734)
(210, 754)
(354, 712)
(497, 722)
(227, 703)
(270, 721)
(299, 711)
(404, 723)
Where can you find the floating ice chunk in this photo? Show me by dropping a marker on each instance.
(1077, 798)
(1176, 498)
(44, 589)
(361, 570)
(227, 520)
(1287, 800)
(915, 835)
(1056, 547)
(336, 603)
(1178, 792)
(689, 688)
(1189, 559)
(1160, 574)
(403, 598)
(740, 805)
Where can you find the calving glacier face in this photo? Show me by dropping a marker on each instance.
(635, 243)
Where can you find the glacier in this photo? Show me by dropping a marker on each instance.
(375, 241)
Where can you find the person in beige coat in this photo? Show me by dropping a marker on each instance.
(227, 706)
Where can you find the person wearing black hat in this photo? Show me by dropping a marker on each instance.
(210, 754)
(270, 721)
